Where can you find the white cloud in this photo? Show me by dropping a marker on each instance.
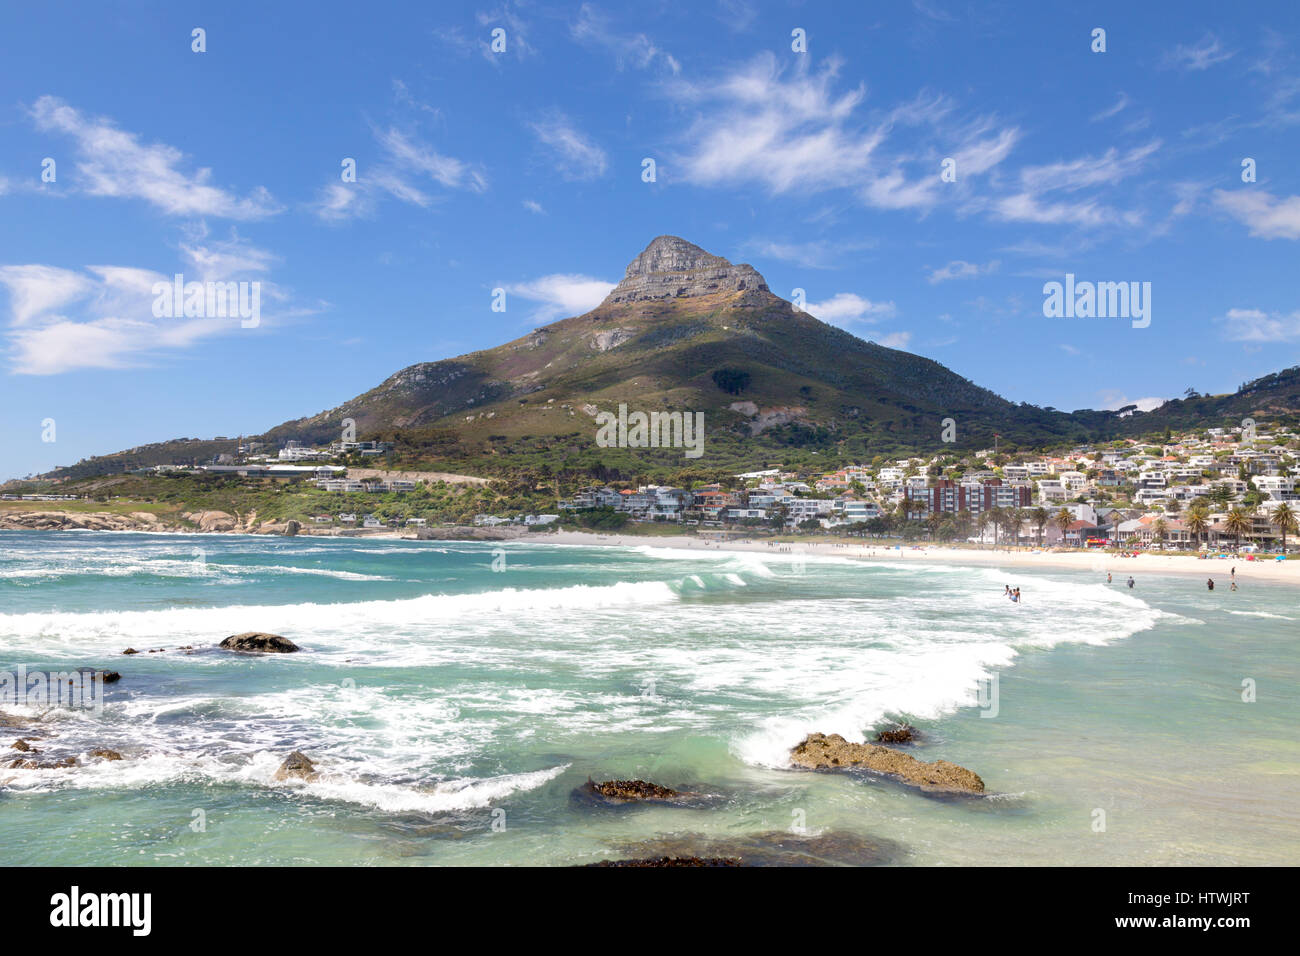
(850, 307)
(1203, 55)
(1265, 215)
(533, 206)
(111, 162)
(961, 269)
(561, 295)
(576, 155)
(788, 128)
(1115, 400)
(895, 340)
(102, 317)
(1255, 325)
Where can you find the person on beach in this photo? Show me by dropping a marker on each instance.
(1209, 584)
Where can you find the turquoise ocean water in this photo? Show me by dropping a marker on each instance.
(453, 707)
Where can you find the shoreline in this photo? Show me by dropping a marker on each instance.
(1282, 572)
(1100, 562)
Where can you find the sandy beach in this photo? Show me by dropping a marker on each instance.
(1285, 572)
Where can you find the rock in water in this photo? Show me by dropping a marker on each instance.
(671, 861)
(260, 642)
(822, 752)
(630, 790)
(297, 765)
(106, 754)
(902, 734)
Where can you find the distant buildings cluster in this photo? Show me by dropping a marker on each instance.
(1132, 493)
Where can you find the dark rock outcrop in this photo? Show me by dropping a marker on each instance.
(23, 747)
(672, 268)
(902, 734)
(671, 861)
(833, 752)
(130, 650)
(105, 754)
(259, 642)
(630, 790)
(297, 765)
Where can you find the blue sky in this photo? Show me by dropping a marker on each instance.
(523, 170)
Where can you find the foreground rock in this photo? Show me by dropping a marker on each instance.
(297, 766)
(822, 752)
(105, 754)
(902, 734)
(768, 848)
(259, 642)
(671, 861)
(630, 790)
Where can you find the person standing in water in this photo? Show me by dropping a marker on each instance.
(1108, 578)
(1209, 584)
(1130, 582)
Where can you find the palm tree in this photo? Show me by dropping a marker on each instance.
(996, 517)
(1016, 516)
(1159, 529)
(1237, 523)
(932, 522)
(1040, 518)
(1285, 519)
(1063, 520)
(1197, 521)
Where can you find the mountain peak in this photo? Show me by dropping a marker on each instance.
(672, 268)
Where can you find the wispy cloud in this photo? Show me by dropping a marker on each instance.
(533, 206)
(961, 269)
(791, 129)
(817, 254)
(1199, 56)
(1049, 193)
(113, 162)
(408, 167)
(594, 28)
(507, 18)
(1120, 105)
(561, 295)
(576, 155)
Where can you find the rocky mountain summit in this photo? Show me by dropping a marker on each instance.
(672, 268)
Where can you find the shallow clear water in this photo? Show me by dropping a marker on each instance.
(453, 708)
